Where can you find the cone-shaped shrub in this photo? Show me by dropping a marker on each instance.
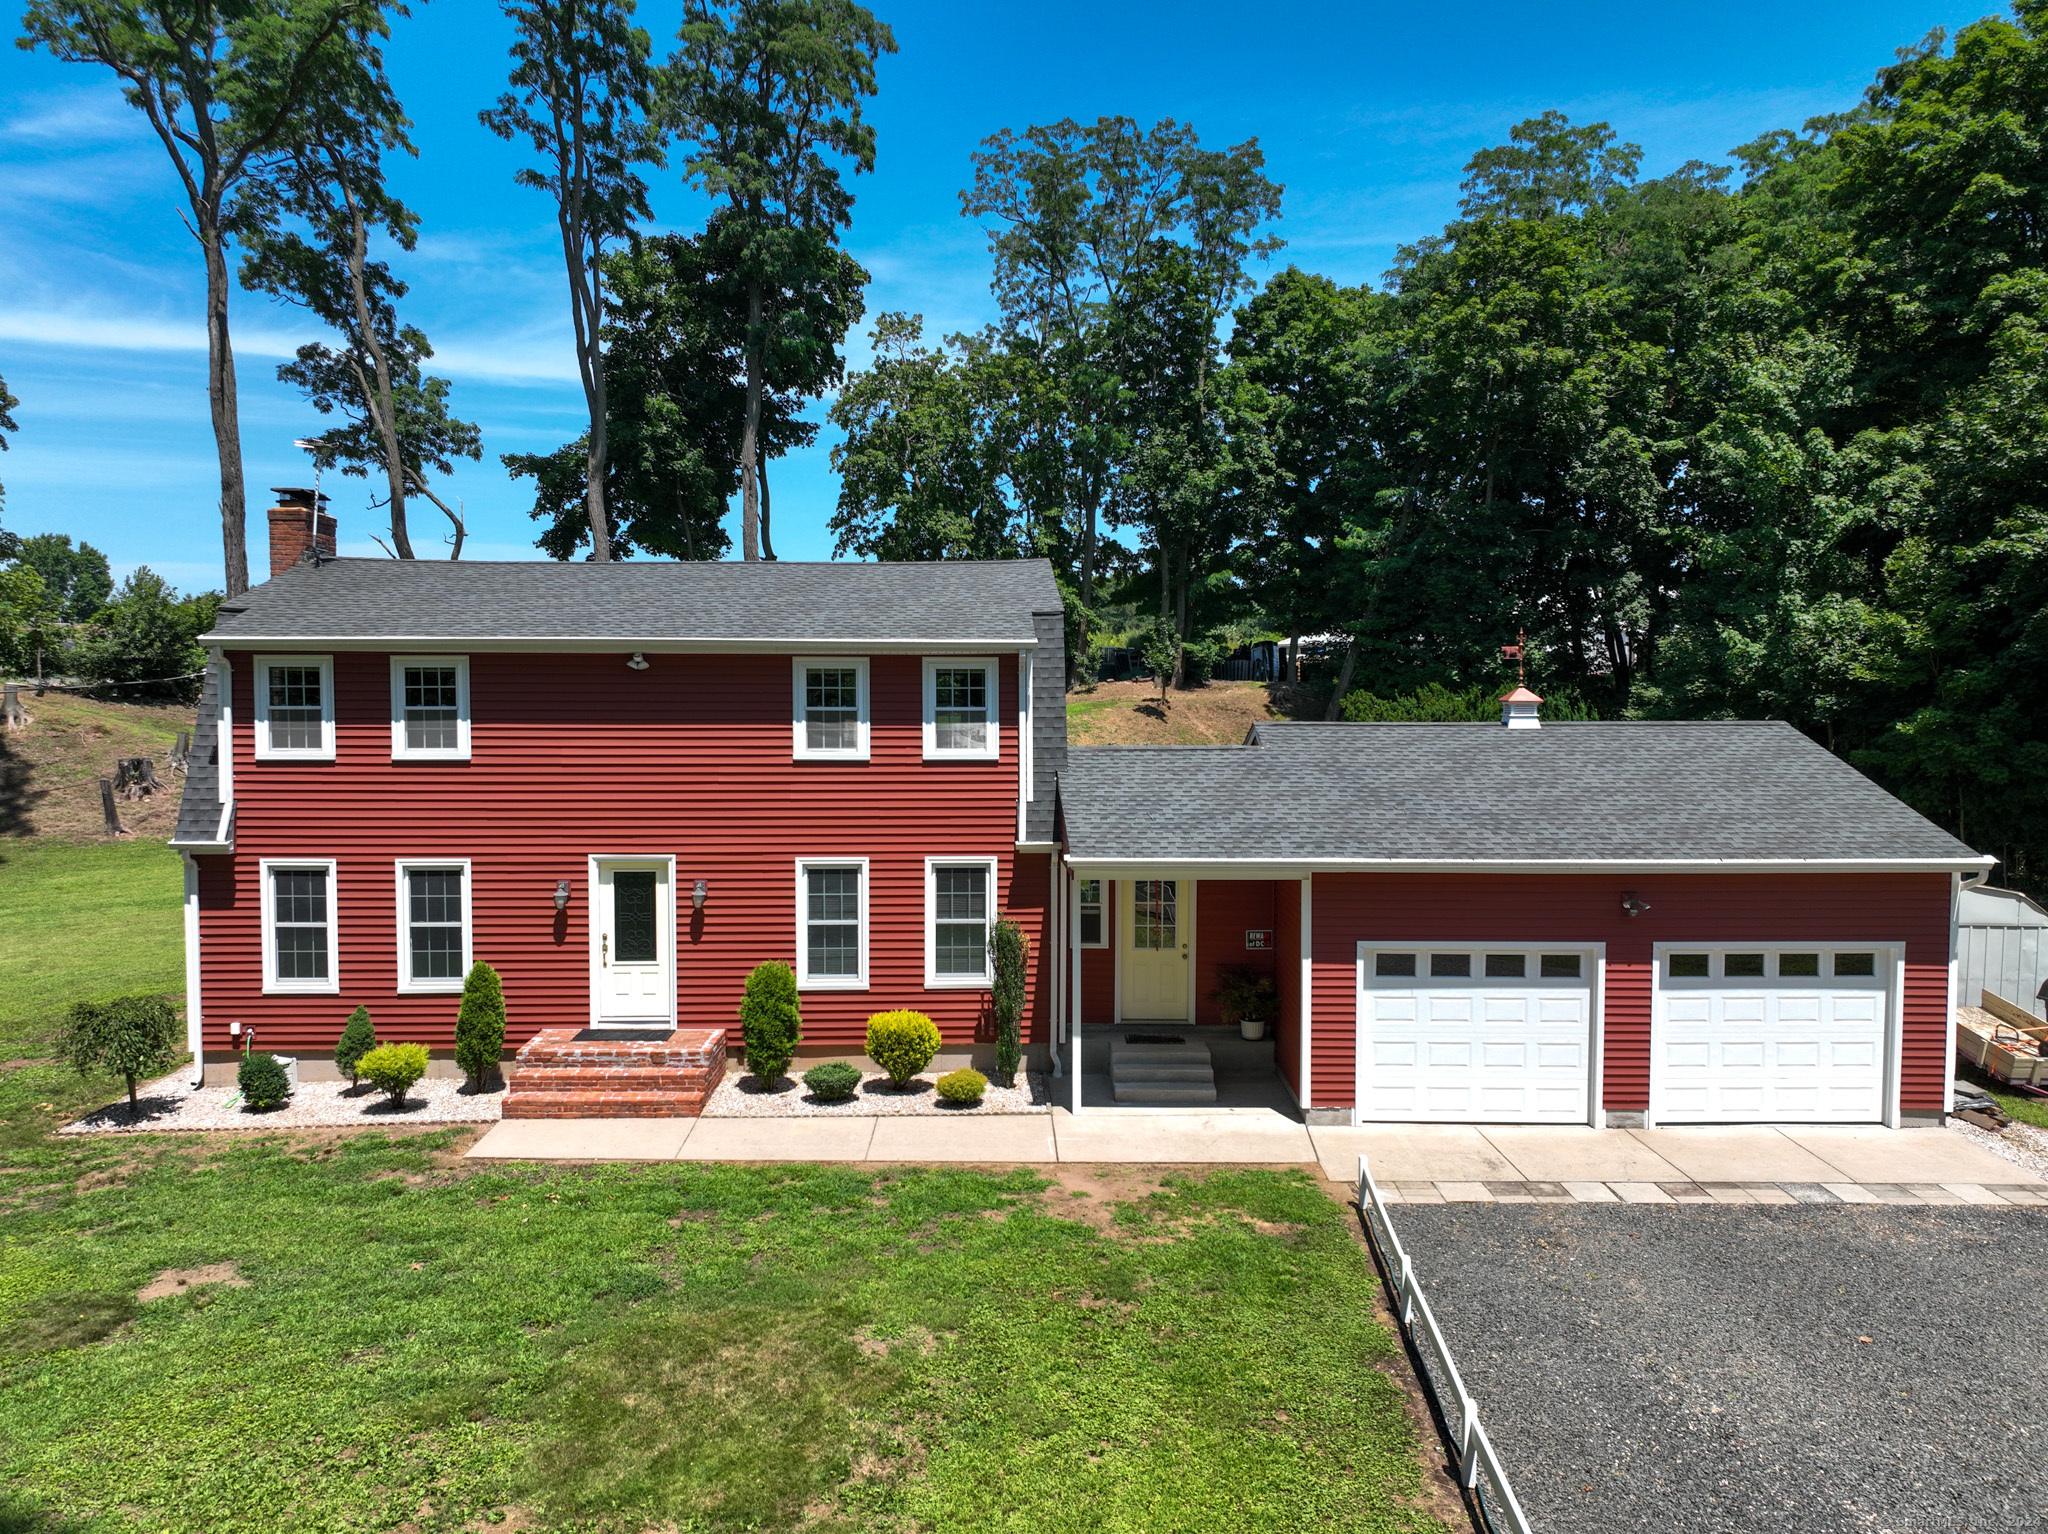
(902, 1043)
(1009, 951)
(357, 1039)
(393, 1068)
(771, 1021)
(480, 1025)
(263, 1081)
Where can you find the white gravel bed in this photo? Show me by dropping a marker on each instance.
(2024, 1145)
(170, 1105)
(740, 1096)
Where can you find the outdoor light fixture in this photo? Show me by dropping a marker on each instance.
(1632, 905)
(561, 894)
(697, 893)
(638, 662)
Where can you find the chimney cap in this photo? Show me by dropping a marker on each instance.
(295, 495)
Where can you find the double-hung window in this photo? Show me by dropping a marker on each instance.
(832, 924)
(433, 925)
(299, 926)
(295, 708)
(960, 710)
(1089, 906)
(430, 708)
(831, 709)
(959, 908)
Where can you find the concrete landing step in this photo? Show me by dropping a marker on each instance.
(1162, 1073)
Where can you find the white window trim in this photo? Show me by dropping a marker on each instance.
(933, 664)
(804, 979)
(1103, 899)
(272, 986)
(407, 985)
(933, 980)
(859, 665)
(261, 689)
(400, 752)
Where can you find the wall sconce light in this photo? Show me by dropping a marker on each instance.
(561, 894)
(1632, 905)
(638, 662)
(697, 893)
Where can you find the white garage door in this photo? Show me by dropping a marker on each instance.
(1770, 1036)
(1475, 1035)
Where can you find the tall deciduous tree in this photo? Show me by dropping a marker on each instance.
(224, 84)
(581, 89)
(7, 404)
(768, 94)
(309, 229)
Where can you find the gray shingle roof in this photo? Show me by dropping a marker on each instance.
(1622, 792)
(199, 806)
(340, 600)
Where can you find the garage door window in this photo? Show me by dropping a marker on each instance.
(1560, 966)
(1506, 966)
(1855, 963)
(1743, 966)
(1689, 966)
(1798, 964)
(1393, 964)
(1451, 965)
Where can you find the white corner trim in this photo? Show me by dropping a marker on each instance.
(804, 979)
(224, 730)
(400, 751)
(407, 985)
(992, 682)
(272, 986)
(195, 1027)
(1308, 978)
(858, 664)
(933, 980)
(260, 686)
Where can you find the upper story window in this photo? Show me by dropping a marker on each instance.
(1088, 902)
(298, 926)
(960, 701)
(295, 708)
(831, 710)
(430, 707)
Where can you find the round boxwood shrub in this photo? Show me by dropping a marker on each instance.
(963, 1087)
(902, 1043)
(263, 1081)
(833, 1082)
(393, 1068)
(357, 1039)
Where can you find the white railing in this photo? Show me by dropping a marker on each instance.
(1479, 1468)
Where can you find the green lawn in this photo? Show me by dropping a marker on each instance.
(424, 1344)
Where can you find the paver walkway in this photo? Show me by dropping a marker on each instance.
(1413, 1163)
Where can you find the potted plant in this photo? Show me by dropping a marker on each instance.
(1247, 998)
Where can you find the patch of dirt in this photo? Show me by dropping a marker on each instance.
(67, 1321)
(50, 772)
(916, 1338)
(179, 1280)
(1129, 713)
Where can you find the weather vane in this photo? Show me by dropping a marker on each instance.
(1513, 652)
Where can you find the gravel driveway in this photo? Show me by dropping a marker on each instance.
(1756, 1367)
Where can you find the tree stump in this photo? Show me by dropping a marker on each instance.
(135, 777)
(11, 711)
(181, 752)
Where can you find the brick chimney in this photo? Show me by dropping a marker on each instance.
(292, 529)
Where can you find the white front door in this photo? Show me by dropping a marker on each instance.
(1500, 1035)
(1770, 1036)
(1156, 927)
(634, 975)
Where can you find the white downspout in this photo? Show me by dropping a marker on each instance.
(1308, 974)
(195, 1037)
(1074, 991)
(1059, 962)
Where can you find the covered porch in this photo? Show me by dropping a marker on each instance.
(1158, 966)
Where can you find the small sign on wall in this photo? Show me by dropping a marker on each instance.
(1259, 937)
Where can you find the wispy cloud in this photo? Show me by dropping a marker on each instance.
(73, 117)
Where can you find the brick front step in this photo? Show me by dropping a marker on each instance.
(561, 1076)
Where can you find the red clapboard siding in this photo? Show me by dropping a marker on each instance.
(1098, 967)
(1684, 908)
(574, 755)
(1225, 909)
(1287, 933)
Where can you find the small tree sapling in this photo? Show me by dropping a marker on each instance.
(129, 1035)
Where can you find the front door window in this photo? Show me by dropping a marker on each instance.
(1155, 915)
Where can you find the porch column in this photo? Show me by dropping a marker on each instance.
(1308, 975)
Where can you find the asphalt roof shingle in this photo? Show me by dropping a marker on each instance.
(1648, 792)
(950, 601)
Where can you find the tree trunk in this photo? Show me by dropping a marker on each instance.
(1344, 674)
(586, 312)
(227, 426)
(378, 392)
(767, 542)
(750, 487)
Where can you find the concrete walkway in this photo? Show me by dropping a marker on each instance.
(1417, 1163)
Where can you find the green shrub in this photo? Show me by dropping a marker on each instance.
(771, 1021)
(358, 1038)
(1243, 992)
(132, 1036)
(263, 1081)
(902, 1043)
(832, 1082)
(480, 1025)
(393, 1068)
(1198, 661)
(963, 1086)
(1009, 952)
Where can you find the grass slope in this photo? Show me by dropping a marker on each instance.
(1128, 714)
(50, 772)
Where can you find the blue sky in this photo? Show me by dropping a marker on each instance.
(1366, 112)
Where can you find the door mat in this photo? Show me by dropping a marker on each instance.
(1154, 1038)
(625, 1035)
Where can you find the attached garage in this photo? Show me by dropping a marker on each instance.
(1488, 1035)
(1752, 1034)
